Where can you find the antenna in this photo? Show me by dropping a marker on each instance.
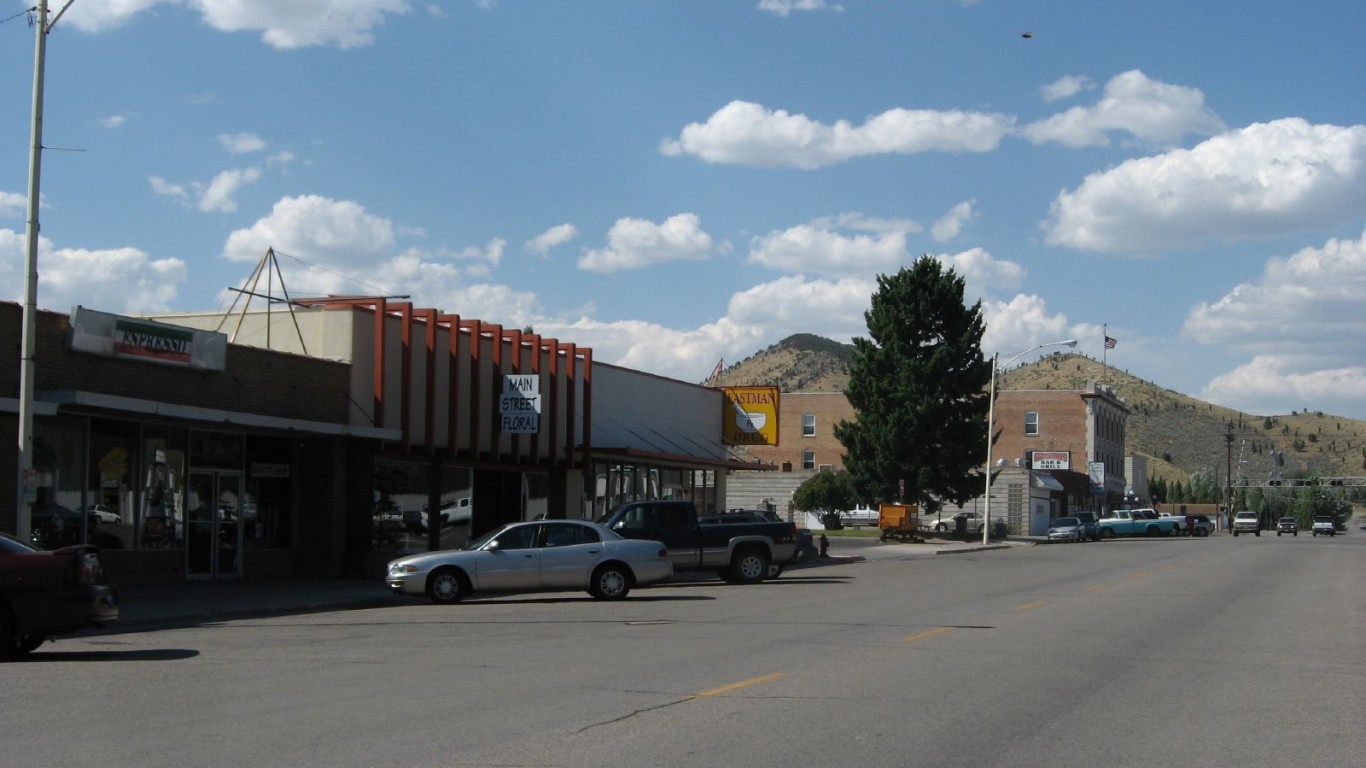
(269, 265)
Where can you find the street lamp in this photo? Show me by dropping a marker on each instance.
(991, 414)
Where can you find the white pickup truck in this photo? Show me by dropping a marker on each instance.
(1325, 525)
(1247, 522)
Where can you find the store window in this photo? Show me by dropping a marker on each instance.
(400, 518)
(267, 504)
(59, 456)
(159, 520)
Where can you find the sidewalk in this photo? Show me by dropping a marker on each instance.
(147, 606)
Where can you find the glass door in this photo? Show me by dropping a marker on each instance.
(213, 525)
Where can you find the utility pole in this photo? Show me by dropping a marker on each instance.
(1228, 475)
(28, 483)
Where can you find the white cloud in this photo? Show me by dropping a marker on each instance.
(241, 143)
(1066, 87)
(551, 239)
(950, 224)
(13, 205)
(113, 121)
(1273, 384)
(177, 192)
(637, 243)
(982, 272)
(745, 133)
(1020, 323)
(785, 7)
(217, 196)
(1265, 179)
(1133, 103)
(860, 222)
(294, 24)
(123, 280)
(808, 248)
(338, 234)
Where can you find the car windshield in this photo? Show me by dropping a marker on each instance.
(14, 546)
(1247, 515)
(1065, 522)
(1323, 519)
(1287, 519)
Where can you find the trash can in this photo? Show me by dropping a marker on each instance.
(999, 529)
(960, 528)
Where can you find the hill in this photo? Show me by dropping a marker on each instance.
(1178, 434)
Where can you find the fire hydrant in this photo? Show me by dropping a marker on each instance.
(825, 546)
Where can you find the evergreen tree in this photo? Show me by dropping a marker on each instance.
(918, 388)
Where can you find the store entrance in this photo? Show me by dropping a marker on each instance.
(213, 525)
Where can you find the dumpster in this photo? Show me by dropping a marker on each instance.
(998, 529)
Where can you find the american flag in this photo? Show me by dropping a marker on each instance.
(1110, 343)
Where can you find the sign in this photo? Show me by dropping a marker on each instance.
(118, 336)
(750, 416)
(519, 408)
(1050, 459)
(1097, 472)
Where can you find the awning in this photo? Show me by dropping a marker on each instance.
(1045, 481)
(678, 460)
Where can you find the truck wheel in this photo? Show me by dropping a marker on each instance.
(774, 571)
(1235, 532)
(611, 581)
(1107, 533)
(1259, 534)
(28, 643)
(750, 566)
(1153, 531)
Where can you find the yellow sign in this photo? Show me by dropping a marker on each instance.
(751, 416)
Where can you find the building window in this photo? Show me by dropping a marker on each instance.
(808, 425)
(1031, 422)
(808, 459)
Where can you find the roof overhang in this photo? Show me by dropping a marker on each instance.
(681, 461)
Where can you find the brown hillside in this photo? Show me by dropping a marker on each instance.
(1178, 434)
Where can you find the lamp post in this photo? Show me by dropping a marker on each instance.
(991, 415)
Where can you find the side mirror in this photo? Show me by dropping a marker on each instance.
(492, 546)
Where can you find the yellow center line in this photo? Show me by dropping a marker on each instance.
(739, 685)
(1138, 575)
(1095, 588)
(1034, 604)
(926, 633)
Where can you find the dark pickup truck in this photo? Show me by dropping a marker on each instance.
(740, 553)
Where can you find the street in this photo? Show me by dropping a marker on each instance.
(1152, 652)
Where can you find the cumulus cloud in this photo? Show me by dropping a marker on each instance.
(551, 239)
(1132, 103)
(1019, 323)
(637, 243)
(744, 133)
(1275, 384)
(13, 204)
(284, 25)
(785, 7)
(71, 276)
(983, 273)
(218, 195)
(241, 143)
(950, 224)
(337, 233)
(1066, 87)
(113, 121)
(809, 248)
(1262, 180)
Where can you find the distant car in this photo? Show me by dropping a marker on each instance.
(1201, 525)
(104, 514)
(1246, 522)
(50, 593)
(974, 520)
(534, 556)
(1091, 522)
(1287, 525)
(1326, 525)
(451, 512)
(1067, 529)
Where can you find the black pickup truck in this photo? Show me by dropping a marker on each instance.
(740, 553)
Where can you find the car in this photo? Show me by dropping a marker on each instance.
(1326, 525)
(534, 556)
(43, 594)
(1200, 525)
(104, 514)
(1287, 525)
(974, 522)
(1067, 529)
(1246, 522)
(1091, 522)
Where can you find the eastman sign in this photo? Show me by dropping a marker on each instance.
(750, 416)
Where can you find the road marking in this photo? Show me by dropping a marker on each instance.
(925, 634)
(1034, 604)
(1095, 588)
(739, 685)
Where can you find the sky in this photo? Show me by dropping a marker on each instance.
(677, 183)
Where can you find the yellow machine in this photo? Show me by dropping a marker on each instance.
(898, 521)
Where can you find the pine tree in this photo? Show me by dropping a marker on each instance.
(918, 388)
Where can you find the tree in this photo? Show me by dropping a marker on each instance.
(918, 386)
(825, 492)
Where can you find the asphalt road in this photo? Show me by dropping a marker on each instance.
(1173, 652)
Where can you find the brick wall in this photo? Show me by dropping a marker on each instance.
(829, 409)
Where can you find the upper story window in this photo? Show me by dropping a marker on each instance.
(808, 425)
(1031, 422)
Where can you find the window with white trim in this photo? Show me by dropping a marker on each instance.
(808, 459)
(1031, 422)
(808, 425)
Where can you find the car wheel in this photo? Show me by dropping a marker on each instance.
(750, 566)
(1107, 533)
(1259, 534)
(611, 581)
(1278, 534)
(9, 644)
(29, 643)
(941, 528)
(1235, 533)
(446, 586)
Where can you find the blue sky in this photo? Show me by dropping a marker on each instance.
(674, 183)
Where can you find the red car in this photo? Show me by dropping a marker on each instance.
(50, 593)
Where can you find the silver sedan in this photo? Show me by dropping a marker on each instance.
(534, 556)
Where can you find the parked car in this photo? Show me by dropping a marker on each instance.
(1201, 525)
(974, 520)
(104, 514)
(1287, 525)
(534, 556)
(50, 593)
(806, 542)
(1091, 522)
(1067, 529)
(1246, 522)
